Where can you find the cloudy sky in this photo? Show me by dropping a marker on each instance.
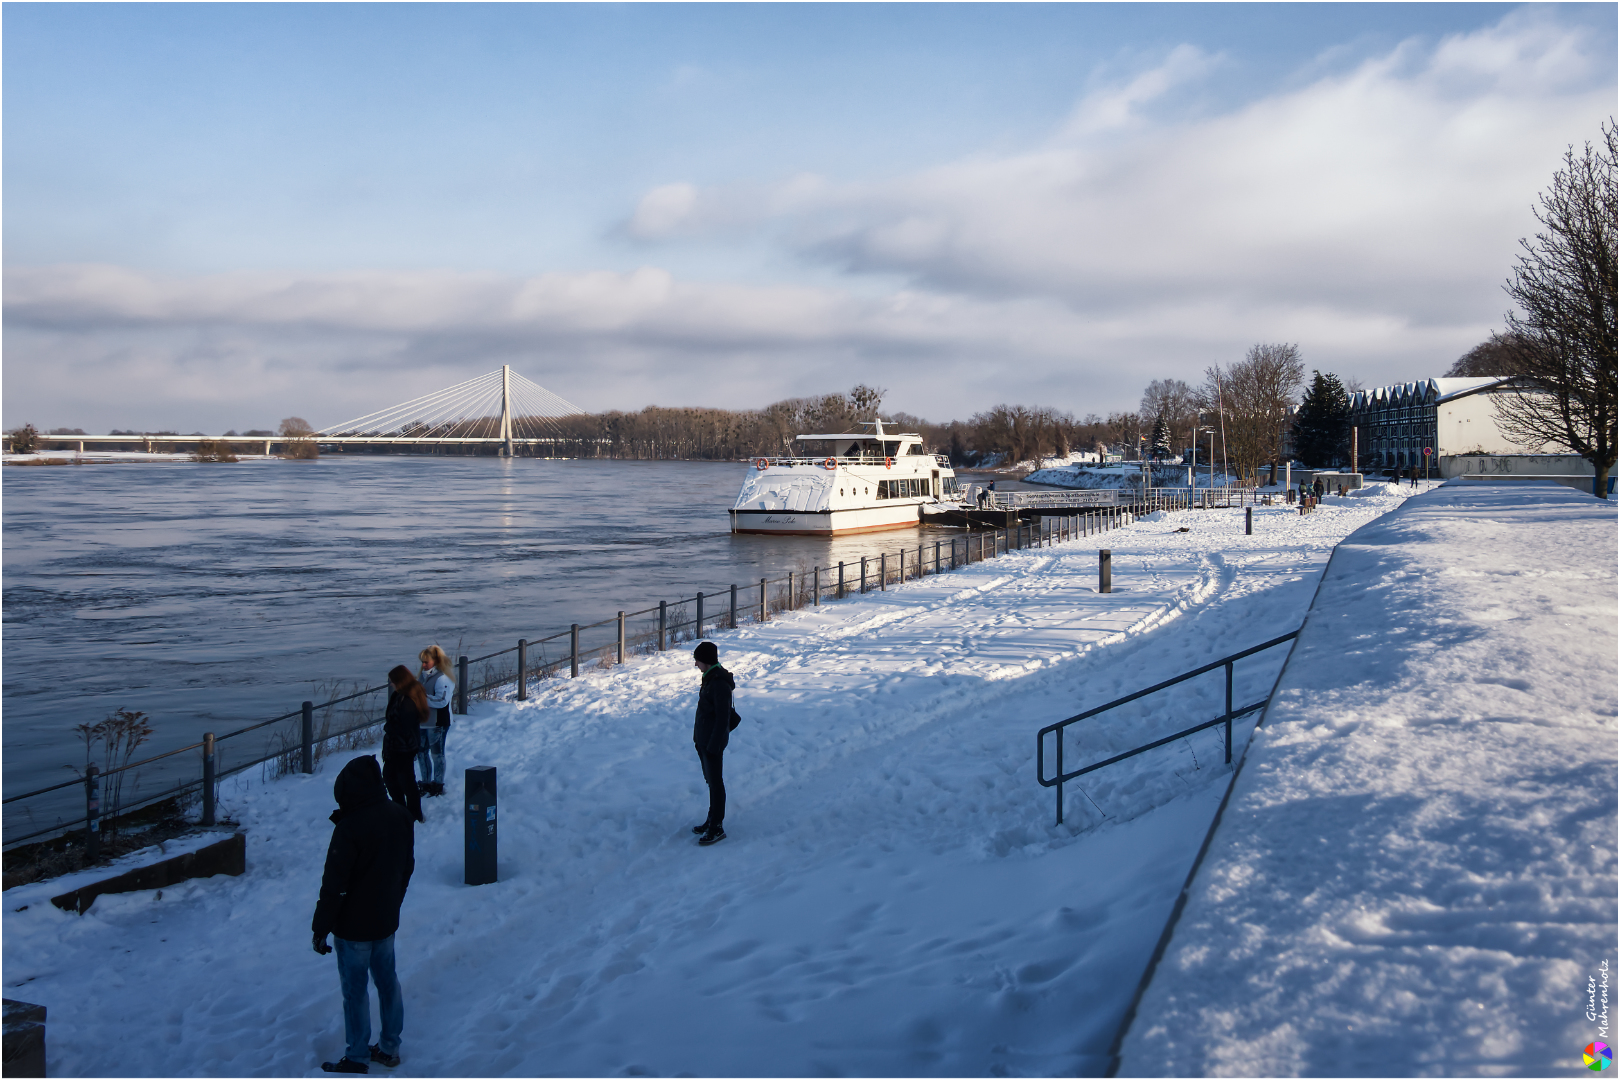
(217, 216)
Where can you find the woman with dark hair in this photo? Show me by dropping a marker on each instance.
(407, 712)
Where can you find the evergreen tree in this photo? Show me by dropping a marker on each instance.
(1322, 424)
(1159, 443)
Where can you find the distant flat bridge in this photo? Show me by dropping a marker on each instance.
(498, 409)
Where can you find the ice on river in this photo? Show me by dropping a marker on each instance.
(894, 897)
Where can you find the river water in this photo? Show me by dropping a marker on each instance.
(211, 596)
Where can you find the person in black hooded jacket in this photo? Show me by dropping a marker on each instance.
(402, 727)
(369, 863)
(711, 732)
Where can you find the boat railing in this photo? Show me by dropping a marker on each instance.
(859, 459)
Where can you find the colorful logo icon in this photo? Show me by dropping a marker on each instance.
(1598, 1056)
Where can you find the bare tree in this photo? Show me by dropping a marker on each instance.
(1124, 430)
(1499, 354)
(1173, 402)
(298, 439)
(1565, 287)
(1252, 399)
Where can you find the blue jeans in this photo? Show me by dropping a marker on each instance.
(430, 755)
(355, 959)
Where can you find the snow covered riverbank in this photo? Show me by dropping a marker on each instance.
(893, 898)
(1416, 872)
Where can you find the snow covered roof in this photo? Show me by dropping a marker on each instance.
(1446, 389)
(1431, 391)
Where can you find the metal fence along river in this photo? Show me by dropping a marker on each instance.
(292, 738)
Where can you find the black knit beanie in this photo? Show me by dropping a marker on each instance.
(706, 652)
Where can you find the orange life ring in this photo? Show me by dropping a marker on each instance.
(830, 464)
(888, 463)
(762, 464)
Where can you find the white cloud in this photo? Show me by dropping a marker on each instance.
(1369, 215)
(1118, 107)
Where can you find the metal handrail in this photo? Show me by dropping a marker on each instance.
(1060, 777)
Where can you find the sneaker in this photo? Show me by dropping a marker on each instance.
(389, 1060)
(712, 836)
(345, 1065)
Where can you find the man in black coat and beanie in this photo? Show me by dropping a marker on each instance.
(368, 867)
(711, 731)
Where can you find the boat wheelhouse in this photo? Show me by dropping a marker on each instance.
(860, 482)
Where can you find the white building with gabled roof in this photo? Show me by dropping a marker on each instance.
(1452, 417)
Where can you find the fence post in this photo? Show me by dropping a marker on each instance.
(621, 637)
(92, 812)
(1248, 521)
(936, 556)
(1105, 570)
(815, 590)
(883, 569)
(863, 573)
(208, 779)
(307, 764)
(733, 607)
(697, 626)
(762, 595)
(1229, 712)
(663, 624)
(573, 650)
(523, 669)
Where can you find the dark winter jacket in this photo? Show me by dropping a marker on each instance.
(369, 860)
(711, 730)
(400, 723)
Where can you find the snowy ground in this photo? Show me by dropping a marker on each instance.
(894, 898)
(1416, 873)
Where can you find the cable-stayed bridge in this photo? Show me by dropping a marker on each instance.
(499, 410)
(499, 407)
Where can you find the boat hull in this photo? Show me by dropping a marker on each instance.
(826, 522)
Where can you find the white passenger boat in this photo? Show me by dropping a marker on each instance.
(863, 483)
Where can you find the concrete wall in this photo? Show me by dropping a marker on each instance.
(1467, 425)
(1514, 464)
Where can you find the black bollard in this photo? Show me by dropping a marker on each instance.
(1248, 521)
(1105, 570)
(480, 835)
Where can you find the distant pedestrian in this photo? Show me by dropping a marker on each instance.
(407, 712)
(983, 497)
(1413, 473)
(439, 686)
(369, 862)
(711, 732)
(1317, 487)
